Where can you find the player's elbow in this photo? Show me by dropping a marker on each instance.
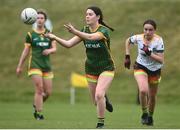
(69, 45)
(127, 42)
(161, 60)
(88, 38)
(93, 37)
(54, 50)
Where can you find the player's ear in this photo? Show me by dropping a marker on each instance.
(98, 17)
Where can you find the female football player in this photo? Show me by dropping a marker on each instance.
(99, 66)
(39, 68)
(147, 68)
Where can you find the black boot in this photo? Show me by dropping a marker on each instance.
(144, 118)
(109, 106)
(149, 121)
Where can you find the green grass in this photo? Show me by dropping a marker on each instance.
(127, 17)
(62, 115)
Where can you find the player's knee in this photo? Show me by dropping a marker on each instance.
(143, 92)
(39, 85)
(39, 90)
(99, 96)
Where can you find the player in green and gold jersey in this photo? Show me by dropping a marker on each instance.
(39, 68)
(99, 66)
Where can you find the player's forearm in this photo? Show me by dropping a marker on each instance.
(52, 50)
(159, 58)
(23, 57)
(93, 36)
(62, 42)
(127, 47)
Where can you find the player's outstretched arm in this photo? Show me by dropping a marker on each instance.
(83, 35)
(66, 43)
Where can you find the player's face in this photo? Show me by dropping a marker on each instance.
(40, 20)
(149, 30)
(91, 17)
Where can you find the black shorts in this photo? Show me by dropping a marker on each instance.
(154, 77)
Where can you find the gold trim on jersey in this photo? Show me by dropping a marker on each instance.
(108, 49)
(40, 32)
(27, 45)
(94, 29)
(30, 59)
(102, 35)
(30, 36)
(106, 43)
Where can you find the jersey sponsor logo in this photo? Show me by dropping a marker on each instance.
(43, 44)
(35, 39)
(93, 45)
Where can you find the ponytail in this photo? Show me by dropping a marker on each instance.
(104, 24)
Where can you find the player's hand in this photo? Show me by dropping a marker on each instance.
(18, 71)
(46, 52)
(147, 50)
(127, 62)
(70, 28)
(50, 36)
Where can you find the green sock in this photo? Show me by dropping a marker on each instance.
(39, 113)
(151, 113)
(101, 120)
(144, 110)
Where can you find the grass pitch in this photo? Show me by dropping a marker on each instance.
(82, 116)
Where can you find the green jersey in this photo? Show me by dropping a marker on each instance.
(38, 44)
(98, 52)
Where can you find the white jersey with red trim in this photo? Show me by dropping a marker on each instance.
(156, 45)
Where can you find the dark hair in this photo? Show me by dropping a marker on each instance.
(98, 11)
(152, 22)
(43, 13)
